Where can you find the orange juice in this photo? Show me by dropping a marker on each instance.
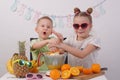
(54, 67)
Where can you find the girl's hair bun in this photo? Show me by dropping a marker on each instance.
(76, 11)
(89, 10)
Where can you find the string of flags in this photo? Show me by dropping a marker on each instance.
(31, 14)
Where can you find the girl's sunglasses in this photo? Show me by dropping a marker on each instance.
(83, 26)
(23, 63)
(33, 76)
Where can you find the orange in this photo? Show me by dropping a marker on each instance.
(87, 71)
(65, 74)
(55, 74)
(74, 71)
(80, 68)
(96, 68)
(65, 67)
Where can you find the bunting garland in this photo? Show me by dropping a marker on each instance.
(60, 21)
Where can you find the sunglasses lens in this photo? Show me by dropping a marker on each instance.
(39, 76)
(29, 64)
(84, 25)
(76, 26)
(21, 62)
(29, 75)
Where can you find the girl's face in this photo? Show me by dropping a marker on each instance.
(44, 28)
(82, 27)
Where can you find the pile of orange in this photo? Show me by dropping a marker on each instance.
(67, 71)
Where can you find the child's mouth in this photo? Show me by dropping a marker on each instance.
(44, 33)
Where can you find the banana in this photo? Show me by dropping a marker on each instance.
(9, 66)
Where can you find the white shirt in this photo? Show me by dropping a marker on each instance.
(88, 60)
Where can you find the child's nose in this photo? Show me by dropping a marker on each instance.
(79, 27)
(45, 27)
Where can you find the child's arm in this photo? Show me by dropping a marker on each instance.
(59, 35)
(40, 44)
(77, 52)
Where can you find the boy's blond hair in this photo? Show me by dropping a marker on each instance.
(44, 17)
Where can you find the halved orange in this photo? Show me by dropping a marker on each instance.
(66, 74)
(55, 74)
(74, 71)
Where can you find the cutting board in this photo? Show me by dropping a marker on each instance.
(87, 77)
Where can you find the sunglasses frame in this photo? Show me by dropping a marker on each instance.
(34, 76)
(83, 26)
(25, 62)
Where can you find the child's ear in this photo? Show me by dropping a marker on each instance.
(36, 29)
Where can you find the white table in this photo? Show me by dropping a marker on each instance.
(9, 76)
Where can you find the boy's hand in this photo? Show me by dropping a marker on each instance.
(54, 41)
(55, 47)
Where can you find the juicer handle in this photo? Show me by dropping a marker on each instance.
(39, 63)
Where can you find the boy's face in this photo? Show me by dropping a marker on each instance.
(44, 28)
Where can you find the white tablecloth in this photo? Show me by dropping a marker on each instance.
(9, 76)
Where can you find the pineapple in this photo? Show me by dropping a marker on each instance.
(20, 70)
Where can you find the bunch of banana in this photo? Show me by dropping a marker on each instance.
(9, 66)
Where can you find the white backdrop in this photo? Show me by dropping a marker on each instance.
(18, 24)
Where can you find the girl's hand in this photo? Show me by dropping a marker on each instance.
(59, 35)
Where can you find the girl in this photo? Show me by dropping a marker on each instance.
(82, 47)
